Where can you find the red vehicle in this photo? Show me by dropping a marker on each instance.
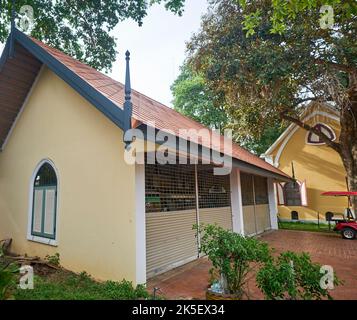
(346, 225)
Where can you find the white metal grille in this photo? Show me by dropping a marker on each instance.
(171, 187)
(254, 189)
(213, 190)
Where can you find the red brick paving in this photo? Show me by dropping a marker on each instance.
(191, 280)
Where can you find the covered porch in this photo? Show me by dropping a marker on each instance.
(172, 198)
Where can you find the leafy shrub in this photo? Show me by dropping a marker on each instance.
(232, 255)
(53, 259)
(124, 290)
(292, 276)
(65, 285)
(7, 279)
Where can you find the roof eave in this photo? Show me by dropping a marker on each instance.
(237, 163)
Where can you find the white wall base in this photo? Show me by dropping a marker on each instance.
(273, 208)
(236, 202)
(140, 224)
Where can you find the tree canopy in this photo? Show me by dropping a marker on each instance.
(193, 98)
(81, 28)
(272, 73)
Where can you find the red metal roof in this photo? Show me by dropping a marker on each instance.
(148, 111)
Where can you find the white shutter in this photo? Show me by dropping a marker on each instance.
(170, 240)
(37, 210)
(220, 216)
(280, 193)
(303, 193)
(50, 211)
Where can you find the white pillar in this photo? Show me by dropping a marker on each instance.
(273, 208)
(236, 202)
(140, 224)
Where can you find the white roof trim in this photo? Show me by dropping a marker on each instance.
(320, 143)
(293, 125)
(289, 132)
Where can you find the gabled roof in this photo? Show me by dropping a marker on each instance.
(309, 111)
(105, 94)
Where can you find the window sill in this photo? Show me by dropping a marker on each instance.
(42, 240)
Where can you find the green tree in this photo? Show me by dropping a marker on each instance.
(193, 98)
(272, 73)
(81, 28)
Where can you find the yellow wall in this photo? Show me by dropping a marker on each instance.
(96, 213)
(320, 166)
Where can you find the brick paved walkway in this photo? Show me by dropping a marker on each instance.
(190, 281)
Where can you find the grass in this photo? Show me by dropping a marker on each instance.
(65, 285)
(305, 226)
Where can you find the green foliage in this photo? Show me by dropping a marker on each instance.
(82, 28)
(193, 98)
(124, 290)
(256, 143)
(266, 78)
(292, 276)
(282, 12)
(304, 226)
(53, 259)
(7, 279)
(64, 285)
(232, 254)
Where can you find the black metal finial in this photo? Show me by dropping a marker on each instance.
(128, 108)
(293, 170)
(12, 30)
(127, 77)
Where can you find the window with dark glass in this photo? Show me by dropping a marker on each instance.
(44, 203)
(292, 194)
(246, 181)
(261, 190)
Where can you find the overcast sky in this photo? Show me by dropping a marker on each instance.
(157, 48)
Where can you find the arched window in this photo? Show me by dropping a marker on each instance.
(312, 138)
(44, 204)
(292, 194)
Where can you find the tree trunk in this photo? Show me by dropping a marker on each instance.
(348, 142)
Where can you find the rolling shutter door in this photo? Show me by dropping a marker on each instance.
(262, 217)
(170, 240)
(262, 214)
(214, 196)
(249, 220)
(170, 214)
(256, 215)
(170, 192)
(220, 216)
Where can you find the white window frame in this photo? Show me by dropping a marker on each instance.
(319, 143)
(30, 237)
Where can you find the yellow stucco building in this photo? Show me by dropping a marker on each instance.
(316, 167)
(68, 184)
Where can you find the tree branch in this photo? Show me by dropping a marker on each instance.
(334, 145)
(337, 66)
(302, 100)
